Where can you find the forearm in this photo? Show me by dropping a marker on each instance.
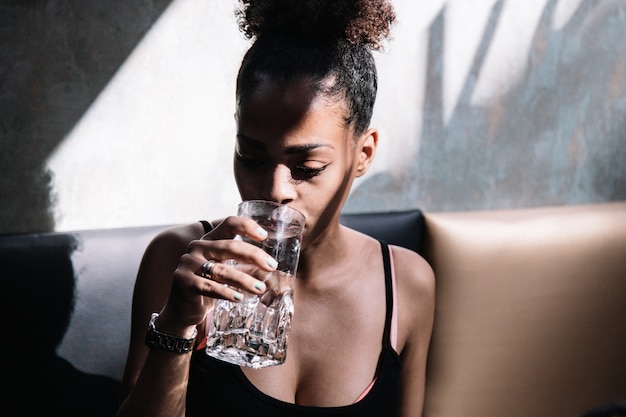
(161, 387)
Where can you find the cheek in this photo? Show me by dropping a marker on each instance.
(251, 184)
(244, 183)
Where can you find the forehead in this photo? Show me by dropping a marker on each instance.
(293, 110)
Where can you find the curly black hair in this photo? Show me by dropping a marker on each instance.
(327, 42)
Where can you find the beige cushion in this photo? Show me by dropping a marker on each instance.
(531, 311)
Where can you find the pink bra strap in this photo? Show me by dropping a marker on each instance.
(393, 336)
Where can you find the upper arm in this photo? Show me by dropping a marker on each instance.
(416, 309)
(152, 287)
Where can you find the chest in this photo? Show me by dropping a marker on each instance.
(334, 348)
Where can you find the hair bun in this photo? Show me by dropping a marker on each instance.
(359, 22)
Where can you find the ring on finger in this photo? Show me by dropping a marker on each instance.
(207, 269)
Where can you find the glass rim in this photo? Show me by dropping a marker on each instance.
(274, 204)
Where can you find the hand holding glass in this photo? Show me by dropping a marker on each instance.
(254, 332)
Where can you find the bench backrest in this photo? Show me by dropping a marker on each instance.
(531, 311)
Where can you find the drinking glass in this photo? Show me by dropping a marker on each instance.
(254, 332)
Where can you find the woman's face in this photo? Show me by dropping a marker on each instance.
(293, 147)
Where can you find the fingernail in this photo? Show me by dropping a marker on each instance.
(262, 232)
(272, 263)
(259, 286)
(238, 296)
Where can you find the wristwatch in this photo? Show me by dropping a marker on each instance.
(163, 341)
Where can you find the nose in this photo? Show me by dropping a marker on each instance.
(280, 186)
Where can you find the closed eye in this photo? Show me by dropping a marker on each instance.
(303, 171)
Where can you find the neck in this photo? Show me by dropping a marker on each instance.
(323, 252)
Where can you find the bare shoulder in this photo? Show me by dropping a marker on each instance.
(162, 255)
(164, 250)
(415, 282)
(179, 234)
(414, 274)
(175, 240)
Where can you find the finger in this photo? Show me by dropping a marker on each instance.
(206, 271)
(237, 226)
(214, 289)
(207, 287)
(222, 274)
(228, 249)
(247, 279)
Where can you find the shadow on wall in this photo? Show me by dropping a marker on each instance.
(556, 138)
(55, 58)
(37, 292)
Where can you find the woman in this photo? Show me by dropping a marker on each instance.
(305, 94)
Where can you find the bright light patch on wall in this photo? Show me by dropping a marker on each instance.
(506, 59)
(168, 109)
(405, 54)
(564, 11)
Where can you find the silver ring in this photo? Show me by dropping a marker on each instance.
(207, 269)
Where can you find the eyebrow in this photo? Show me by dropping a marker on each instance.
(289, 151)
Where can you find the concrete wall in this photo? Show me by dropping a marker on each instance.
(119, 112)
